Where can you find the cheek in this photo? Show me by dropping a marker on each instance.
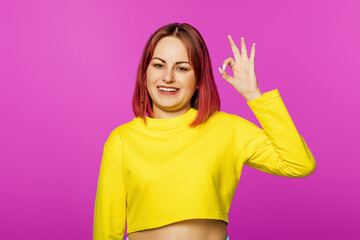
(152, 76)
(150, 79)
(191, 84)
(149, 72)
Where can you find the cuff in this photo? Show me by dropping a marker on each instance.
(264, 98)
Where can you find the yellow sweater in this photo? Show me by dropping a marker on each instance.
(165, 172)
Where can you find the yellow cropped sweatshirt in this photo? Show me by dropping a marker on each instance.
(164, 172)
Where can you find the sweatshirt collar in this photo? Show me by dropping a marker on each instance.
(170, 123)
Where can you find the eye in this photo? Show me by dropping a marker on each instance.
(156, 65)
(183, 68)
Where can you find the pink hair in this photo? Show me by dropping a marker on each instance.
(205, 99)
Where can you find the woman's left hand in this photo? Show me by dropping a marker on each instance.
(244, 79)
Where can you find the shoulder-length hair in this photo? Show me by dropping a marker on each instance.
(205, 99)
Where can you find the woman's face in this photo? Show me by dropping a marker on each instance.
(170, 68)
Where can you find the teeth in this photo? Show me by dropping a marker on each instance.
(168, 89)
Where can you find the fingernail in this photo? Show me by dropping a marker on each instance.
(254, 44)
(242, 37)
(224, 66)
(229, 36)
(220, 70)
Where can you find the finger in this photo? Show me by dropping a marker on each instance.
(229, 61)
(243, 48)
(252, 54)
(226, 76)
(234, 48)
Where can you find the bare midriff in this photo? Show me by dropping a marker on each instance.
(194, 229)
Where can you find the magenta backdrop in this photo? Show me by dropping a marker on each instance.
(67, 71)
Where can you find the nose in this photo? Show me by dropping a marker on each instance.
(168, 75)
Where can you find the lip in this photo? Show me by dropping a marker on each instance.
(167, 93)
(167, 86)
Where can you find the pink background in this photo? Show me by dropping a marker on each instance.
(67, 71)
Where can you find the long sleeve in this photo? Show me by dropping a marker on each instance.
(110, 202)
(278, 148)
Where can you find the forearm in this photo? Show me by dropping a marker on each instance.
(279, 148)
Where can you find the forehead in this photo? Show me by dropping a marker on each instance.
(171, 49)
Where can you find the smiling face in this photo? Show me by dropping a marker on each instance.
(170, 68)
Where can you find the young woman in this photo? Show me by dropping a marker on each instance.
(172, 175)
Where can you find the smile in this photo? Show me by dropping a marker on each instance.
(168, 91)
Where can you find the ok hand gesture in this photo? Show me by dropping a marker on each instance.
(244, 79)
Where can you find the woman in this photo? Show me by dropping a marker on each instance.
(173, 174)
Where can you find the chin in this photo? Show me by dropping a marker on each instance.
(169, 106)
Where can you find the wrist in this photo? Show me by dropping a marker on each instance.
(252, 96)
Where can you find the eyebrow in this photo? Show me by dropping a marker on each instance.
(165, 61)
